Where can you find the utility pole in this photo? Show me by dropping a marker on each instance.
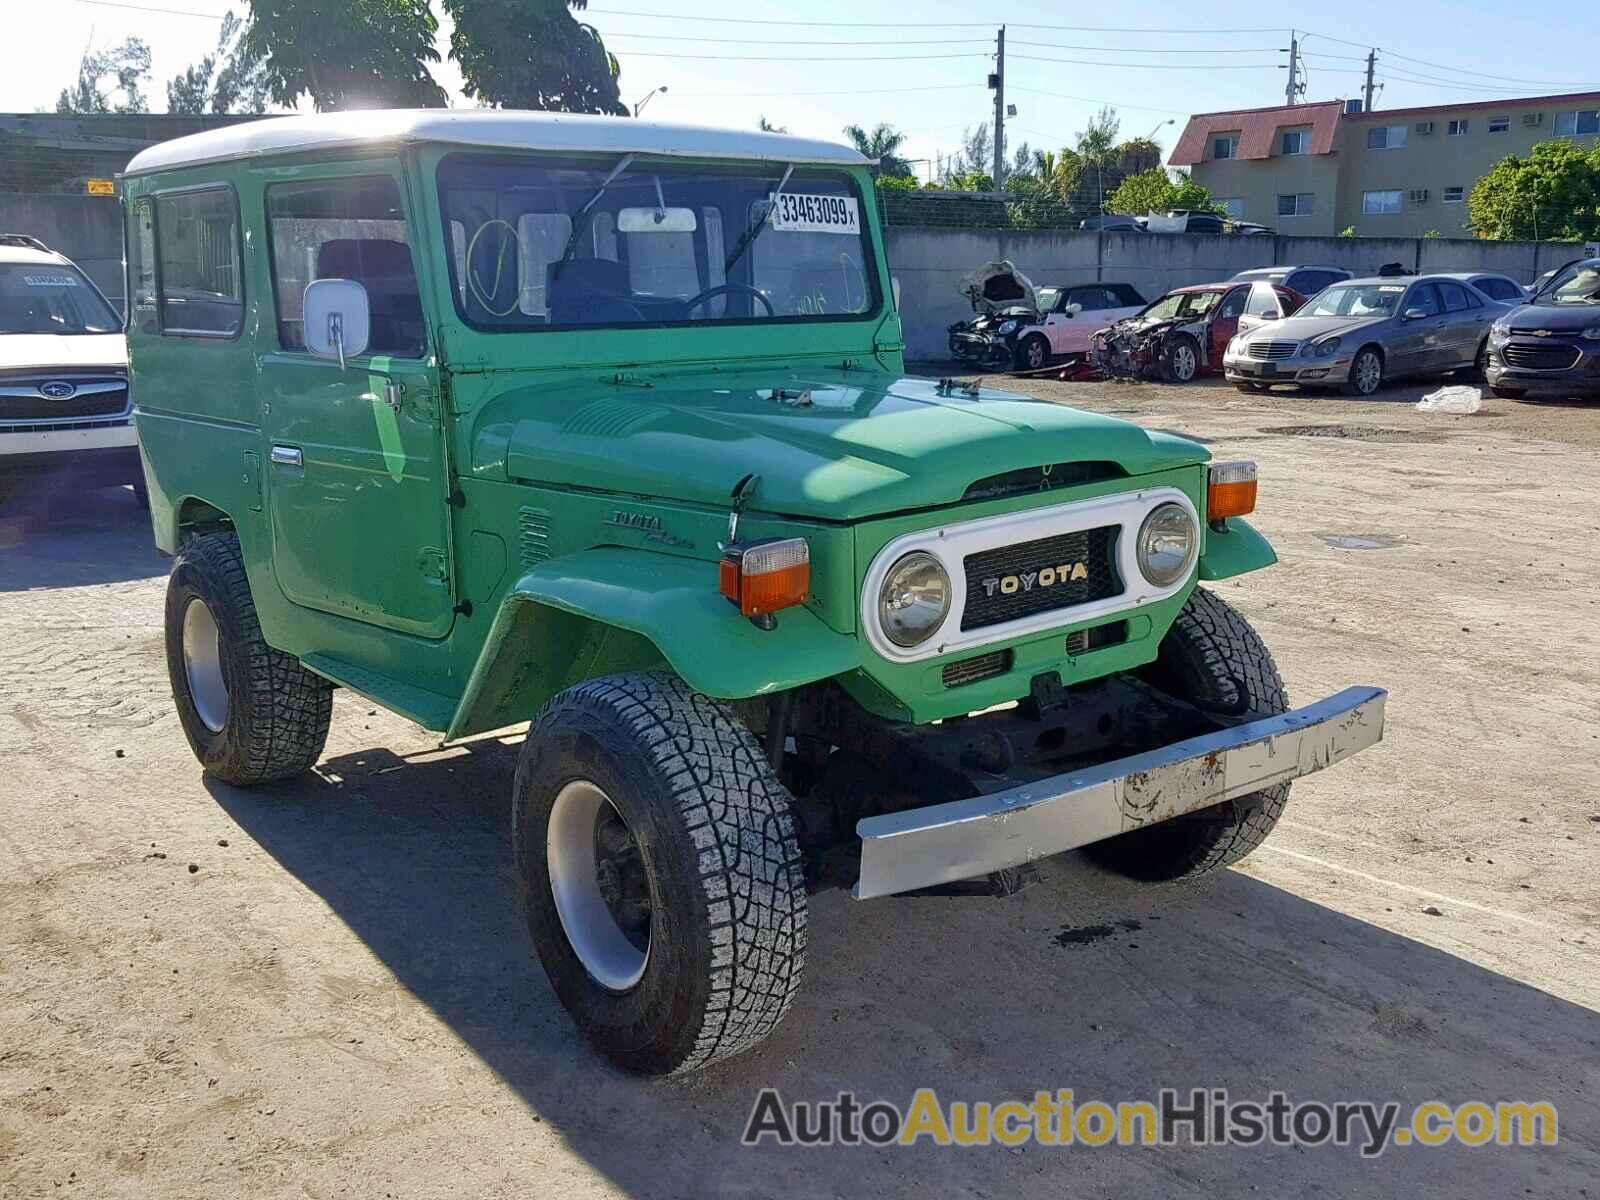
(1372, 62)
(1293, 90)
(997, 81)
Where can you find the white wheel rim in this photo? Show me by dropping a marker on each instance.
(1367, 374)
(1183, 362)
(592, 930)
(1035, 355)
(202, 666)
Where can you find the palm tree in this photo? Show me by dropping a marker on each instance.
(882, 144)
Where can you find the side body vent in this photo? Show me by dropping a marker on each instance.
(533, 535)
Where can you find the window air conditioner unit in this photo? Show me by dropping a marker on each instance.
(1417, 195)
(1424, 126)
(1533, 118)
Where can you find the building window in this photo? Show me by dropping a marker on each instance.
(1453, 195)
(1233, 206)
(1374, 204)
(197, 263)
(1584, 121)
(1225, 146)
(1458, 128)
(1296, 204)
(1387, 137)
(1297, 141)
(1499, 124)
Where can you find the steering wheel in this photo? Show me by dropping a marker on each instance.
(724, 289)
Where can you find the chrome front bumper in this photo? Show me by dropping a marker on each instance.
(903, 851)
(1302, 368)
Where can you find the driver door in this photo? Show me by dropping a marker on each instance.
(1225, 323)
(355, 477)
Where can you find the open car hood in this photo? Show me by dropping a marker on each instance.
(996, 286)
(828, 444)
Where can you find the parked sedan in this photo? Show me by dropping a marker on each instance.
(1492, 284)
(1551, 345)
(1364, 331)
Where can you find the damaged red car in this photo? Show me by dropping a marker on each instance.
(1185, 333)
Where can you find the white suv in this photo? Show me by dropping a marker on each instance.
(63, 373)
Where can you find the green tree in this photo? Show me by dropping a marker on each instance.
(1552, 194)
(1097, 141)
(1157, 191)
(533, 54)
(361, 53)
(224, 81)
(883, 144)
(94, 92)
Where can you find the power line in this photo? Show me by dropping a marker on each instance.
(1141, 50)
(767, 41)
(145, 8)
(1171, 112)
(937, 87)
(830, 58)
(1088, 62)
(618, 12)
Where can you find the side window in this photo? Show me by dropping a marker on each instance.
(1089, 299)
(1455, 297)
(1233, 303)
(1309, 283)
(1263, 302)
(1498, 289)
(142, 266)
(356, 229)
(1423, 297)
(198, 278)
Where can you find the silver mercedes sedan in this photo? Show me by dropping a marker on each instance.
(1362, 332)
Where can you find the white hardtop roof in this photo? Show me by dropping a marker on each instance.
(26, 254)
(489, 128)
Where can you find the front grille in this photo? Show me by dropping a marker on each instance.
(1541, 358)
(973, 670)
(66, 426)
(1005, 584)
(99, 396)
(1271, 350)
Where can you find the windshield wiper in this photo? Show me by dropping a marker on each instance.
(580, 219)
(751, 234)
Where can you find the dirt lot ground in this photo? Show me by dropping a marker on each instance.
(324, 988)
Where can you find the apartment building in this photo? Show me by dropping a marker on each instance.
(1318, 169)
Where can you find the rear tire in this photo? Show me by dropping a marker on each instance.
(252, 714)
(1212, 658)
(714, 902)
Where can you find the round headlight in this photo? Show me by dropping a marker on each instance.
(1006, 327)
(914, 599)
(1167, 543)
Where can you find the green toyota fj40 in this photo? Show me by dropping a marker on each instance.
(601, 424)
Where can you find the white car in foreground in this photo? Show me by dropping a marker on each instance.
(63, 373)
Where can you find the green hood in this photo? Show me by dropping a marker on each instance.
(834, 445)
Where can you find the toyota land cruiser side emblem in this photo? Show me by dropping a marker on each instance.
(58, 389)
(1008, 585)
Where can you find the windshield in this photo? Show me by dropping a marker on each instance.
(545, 244)
(1355, 300)
(46, 298)
(1577, 284)
(1183, 304)
(1048, 296)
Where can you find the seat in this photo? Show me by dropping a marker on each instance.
(589, 291)
(384, 268)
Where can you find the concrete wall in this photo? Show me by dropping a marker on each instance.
(87, 229)
(930, 262)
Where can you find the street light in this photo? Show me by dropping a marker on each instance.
(639, 107)
(1151, 136)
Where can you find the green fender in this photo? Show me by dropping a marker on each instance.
(613, 609)
(1235, 550)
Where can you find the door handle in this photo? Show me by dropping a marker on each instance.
(288, 456)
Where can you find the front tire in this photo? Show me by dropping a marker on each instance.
(252, 714)
(1213, 659)
(1366, 372)
(661, 872)
(1181, 363)
(1033, 354)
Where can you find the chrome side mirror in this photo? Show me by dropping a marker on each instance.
(338, 319)
(1415, 314)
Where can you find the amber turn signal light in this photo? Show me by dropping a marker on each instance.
(1231, 491)
(762, 577)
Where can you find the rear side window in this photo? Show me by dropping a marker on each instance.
(1091, 299)
(353, 228)
(1126, 296)
(1498, 289)
(199, 284)
(1457, 298)
(1309, 283)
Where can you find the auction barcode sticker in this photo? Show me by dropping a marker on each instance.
(800, 213)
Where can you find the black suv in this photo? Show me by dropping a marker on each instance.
(1551, 344)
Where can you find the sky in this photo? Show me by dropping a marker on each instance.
(816, 66)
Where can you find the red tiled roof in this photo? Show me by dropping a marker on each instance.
(1477, 105)
(1257, 129)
